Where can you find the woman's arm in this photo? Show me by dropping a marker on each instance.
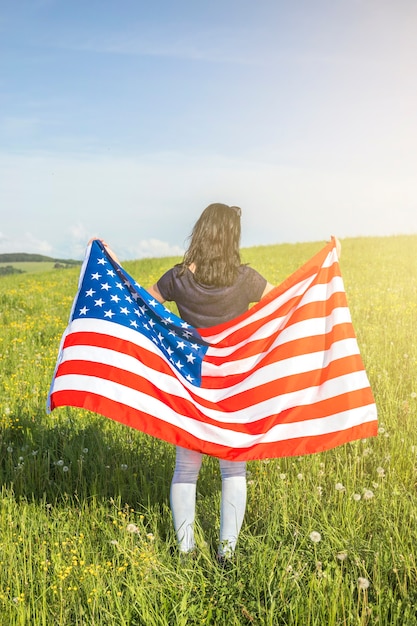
(338, 247)
(155, 293)
(268, 288)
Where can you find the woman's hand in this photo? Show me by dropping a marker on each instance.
(107, 247)
(338, 245)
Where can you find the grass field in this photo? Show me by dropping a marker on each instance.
(32, 267)
(85, 528)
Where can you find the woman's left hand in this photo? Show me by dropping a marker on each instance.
(108, 249)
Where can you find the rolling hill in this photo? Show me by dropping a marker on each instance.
(24, 257)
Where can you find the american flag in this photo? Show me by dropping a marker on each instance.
(284, 379)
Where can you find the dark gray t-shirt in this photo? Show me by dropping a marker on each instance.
(203, 306)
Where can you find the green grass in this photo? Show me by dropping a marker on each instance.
(31, 267)
(85, 529)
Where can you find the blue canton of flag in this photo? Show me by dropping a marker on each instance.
(107, 292)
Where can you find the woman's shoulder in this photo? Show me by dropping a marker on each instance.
(246, 270)
(251, 282)
(173, 282)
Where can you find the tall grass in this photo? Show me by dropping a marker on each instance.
(85, 527)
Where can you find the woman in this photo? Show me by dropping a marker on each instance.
(209, 287)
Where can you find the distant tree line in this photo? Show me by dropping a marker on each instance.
(16, 257)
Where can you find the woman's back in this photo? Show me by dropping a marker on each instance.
(206, 305)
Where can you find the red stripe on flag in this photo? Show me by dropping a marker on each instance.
(156, 427)
(198, 408)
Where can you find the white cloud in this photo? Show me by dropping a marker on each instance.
(146, 205)
(151, 248)
(25, 243)
(78, 232)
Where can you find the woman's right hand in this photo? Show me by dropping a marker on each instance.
(338, 246)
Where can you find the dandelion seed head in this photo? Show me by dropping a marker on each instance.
(413, 395)
(315, 536)
(300, 476)
(368, 494)
(363, 583)
(283, 476)
(339, 487)
(342, 556)
(132, 528)
(60, 463)
(123, 466)
(356, 497)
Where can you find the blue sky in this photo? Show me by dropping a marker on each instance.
(124, 119)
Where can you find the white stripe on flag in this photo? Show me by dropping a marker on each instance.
(210, 432)
(173, 387)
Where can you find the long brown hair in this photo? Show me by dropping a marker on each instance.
(215, 245)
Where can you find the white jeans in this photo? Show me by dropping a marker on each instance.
(183, 497)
